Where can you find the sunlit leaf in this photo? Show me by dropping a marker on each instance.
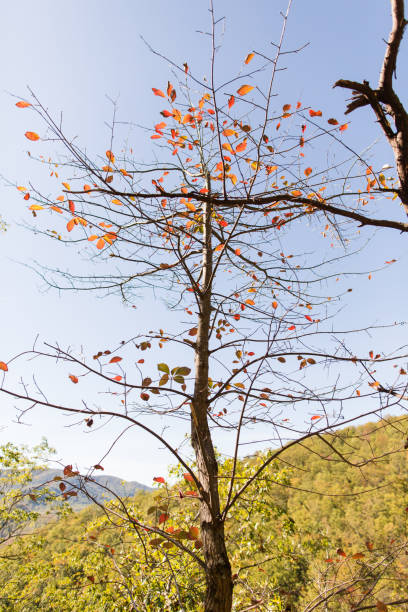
(308, 171)
(244, 89)
(32, 136)
(249, 57)
(110, 156)
(158, 92)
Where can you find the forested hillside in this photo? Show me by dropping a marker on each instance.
(310, 535)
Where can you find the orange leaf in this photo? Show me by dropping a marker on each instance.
(110, 156)
(117, 378)
(73, 378)
(35, 207)
(286, 107)
(100, 244)
(117, 202)
(292, 327)
(244, 89)
(274, 305)
(71, 206)
(242, 146)
(158, 92)
(22, 104)
(32, 136)
(296, 193)
(237, 251)
(190, 206)
(70, 225)
(67, 186)
(21, 188)
(115, 359)
(308, 318)
(219, 247)
(314, 113)
(3, 366)
(60, 198)
(358, 555)
(227, 147)
(315, 416)
(87, 187)
(308, 171)
(249, 57)
(58, 210)
(188, 477)
(229, 132)
(231, 101)
(27, 196)
(343, 127)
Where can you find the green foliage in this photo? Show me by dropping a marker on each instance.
(301, 530)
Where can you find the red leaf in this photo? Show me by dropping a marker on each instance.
(159, 479)
(98, 467)
(158, 92)
(117, 378)
(231, 101)
(115, 359)
(308, 318)
(314, 113)
(314, 417)
(163, 518)
(73, 378)
(292, 327)
(27, 196)
(188, 477)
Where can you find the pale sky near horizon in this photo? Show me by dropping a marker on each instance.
(75, 56)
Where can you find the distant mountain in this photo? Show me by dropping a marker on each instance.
(102, 487)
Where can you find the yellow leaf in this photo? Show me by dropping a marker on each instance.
(35, 207)
(67, 186)
(117, 202)
(190, 206)
(227, 147)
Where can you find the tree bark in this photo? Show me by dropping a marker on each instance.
(219, 585)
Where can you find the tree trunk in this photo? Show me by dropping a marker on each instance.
(219, 586)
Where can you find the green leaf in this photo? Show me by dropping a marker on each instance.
(181, 371)
(164, 379)
(163, 367)
(178, 379)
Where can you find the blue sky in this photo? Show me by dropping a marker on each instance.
(76, 56)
